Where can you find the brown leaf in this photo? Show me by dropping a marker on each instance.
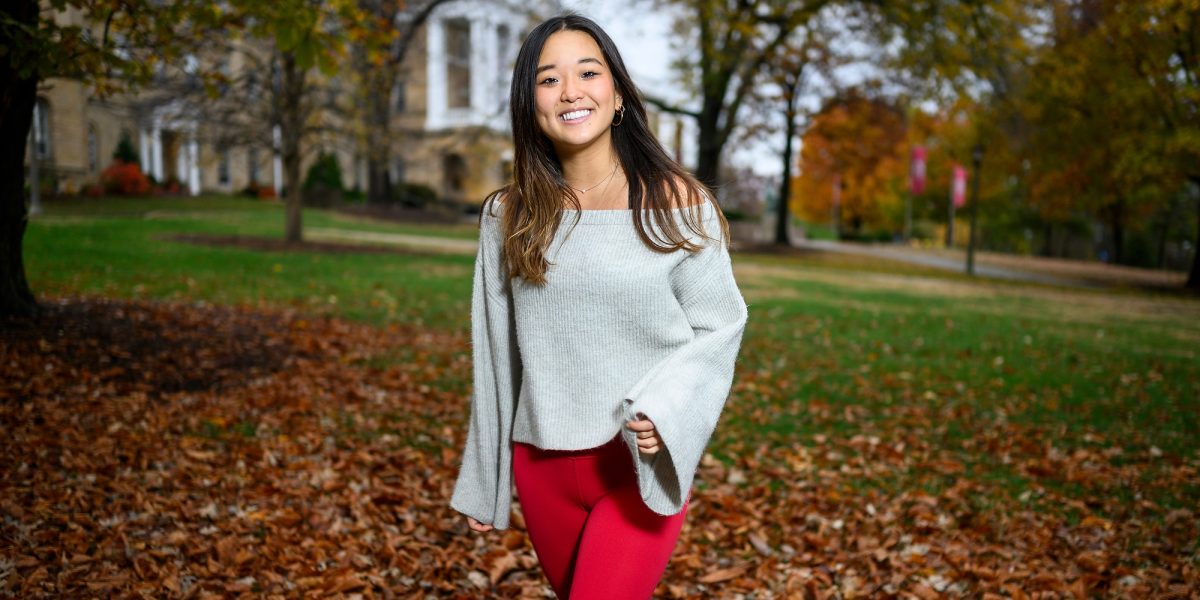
(724, 574)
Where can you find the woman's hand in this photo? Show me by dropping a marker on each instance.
(648, 440)
(477, 526)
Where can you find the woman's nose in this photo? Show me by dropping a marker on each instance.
(569, 92)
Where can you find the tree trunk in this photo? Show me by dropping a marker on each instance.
(708, 161)
(292, 124)
(1193, 281)
(783, 211)
(1118, 231)
(379, 137)
(1164, 225)
(1047, 240)
(17, 97)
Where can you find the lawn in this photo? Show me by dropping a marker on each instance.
(892, 429)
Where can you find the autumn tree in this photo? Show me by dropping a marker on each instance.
(1093, 143)
(389, 30)
(735, 42)
(853, 154)
(307, 35)
(1157, 43)
(113, 45)
(805, 55)
(951, 51)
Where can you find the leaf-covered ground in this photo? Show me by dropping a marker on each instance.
(188, 421)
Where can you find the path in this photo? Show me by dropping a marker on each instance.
(929, 259)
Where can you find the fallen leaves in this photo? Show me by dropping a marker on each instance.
(189, 450)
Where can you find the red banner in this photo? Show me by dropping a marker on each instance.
(916, 172)
(958, 191)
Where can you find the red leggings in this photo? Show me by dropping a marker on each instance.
(592, 533)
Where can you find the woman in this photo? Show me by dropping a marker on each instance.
(603, 352)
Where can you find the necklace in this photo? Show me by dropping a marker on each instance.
(585, 190)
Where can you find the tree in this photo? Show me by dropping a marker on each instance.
(116, 48)
(806, 52)
(953, 51)
(390, 31)
(307, 34)
(855, 144)
(1159, 44)
(735, 42)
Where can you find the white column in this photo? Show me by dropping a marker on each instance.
(181, 164)
(277, 160)
(156, 155)
(483, 53)
(193, 178)
(144, 148)
(435, 73)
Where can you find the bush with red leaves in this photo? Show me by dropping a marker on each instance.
(125, 179)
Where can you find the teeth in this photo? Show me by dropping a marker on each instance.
(575, 115)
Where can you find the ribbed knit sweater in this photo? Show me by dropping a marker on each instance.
(618, 330)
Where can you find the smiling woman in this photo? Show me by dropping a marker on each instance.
(599, 377)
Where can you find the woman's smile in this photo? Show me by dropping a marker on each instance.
(575, 116)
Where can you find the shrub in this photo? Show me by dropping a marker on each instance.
(413, 194)
(125, 179)
(325, 171)
(125, 152)
(266, 192)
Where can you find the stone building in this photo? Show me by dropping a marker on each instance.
(450, 117)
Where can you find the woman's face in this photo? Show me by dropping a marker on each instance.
(576, 96)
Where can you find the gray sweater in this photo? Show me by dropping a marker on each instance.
(618, 330)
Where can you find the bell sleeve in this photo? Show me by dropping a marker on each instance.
(483, 489)
(684, 394)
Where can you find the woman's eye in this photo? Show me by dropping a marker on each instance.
(590, 74)
(548, 80)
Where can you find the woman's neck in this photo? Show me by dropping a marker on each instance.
(588, 166)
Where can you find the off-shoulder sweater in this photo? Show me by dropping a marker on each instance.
(619, 330)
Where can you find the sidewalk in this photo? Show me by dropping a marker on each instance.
(1053, 271)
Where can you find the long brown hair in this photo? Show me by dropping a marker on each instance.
(533, 202)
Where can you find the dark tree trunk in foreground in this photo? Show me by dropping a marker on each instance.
(17, 97)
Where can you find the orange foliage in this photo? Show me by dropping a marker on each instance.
(860, 143)
(125, 178)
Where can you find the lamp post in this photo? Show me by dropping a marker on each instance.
(976, 158)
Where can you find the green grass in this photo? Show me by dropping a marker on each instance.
(115, 248)
(836, 345)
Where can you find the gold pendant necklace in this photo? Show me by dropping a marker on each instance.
(585, 190)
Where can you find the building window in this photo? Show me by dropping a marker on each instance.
(458, 63)
(93, 151)
(331, 91)
(503, 42)
(252, 87)
(252, 165)
(454, 174)
(225, 75)
(223, 167)
(41, 128)
(400, 101)
(397, 174)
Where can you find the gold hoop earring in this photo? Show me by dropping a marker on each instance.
(620, 115)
